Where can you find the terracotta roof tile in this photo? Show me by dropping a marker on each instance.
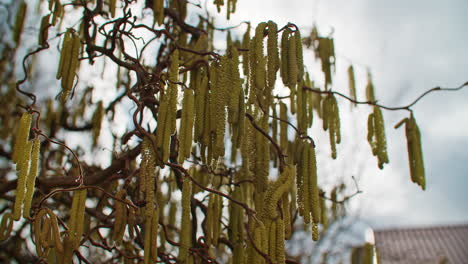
(423, 245)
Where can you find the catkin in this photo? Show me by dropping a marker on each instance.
(97, 118)
(76, 222)
(380, 137)
(284, 70)
(44, 30)
(299, 55)
(292, 62)
(19, 22)
(154, 234)
(6, 226)
(315, 232)
(31, 180)
(186, 125)
(158, 9)
(168, 109)
(313, 187)
(185, 233)
(280, 236)
(415, 157)
(23, 170)
(272, 240)
(112, 6)
(272, 54)
(260, 63)
(352, 83)
(370, 95)
(120, 217)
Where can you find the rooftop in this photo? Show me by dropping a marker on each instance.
(438, 244)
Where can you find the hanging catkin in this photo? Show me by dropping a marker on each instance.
(415, 156)
(120, 221)
(201, 92)
(185, 233)
(272, 54)
(370, 95)
(44, 30)
(219, 85)
(6, 226)
(284, 70)
(19, 22)
(23, 169)
(299, 55)
(260, 63)
(186, 125)
(31, 180)
(313, 187)
(331, 121)
(76, 222)
(376, 136)
(97, 118)
(168, 110)
(158, 12)
(352, 83)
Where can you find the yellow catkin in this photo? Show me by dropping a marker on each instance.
(37, 229)
(64, 54)
(97, 118)
(381, 141)
(245, 55)
(218, 208)
(303, 182)
(6, 226)
(55, 231)
(260, 65)
(415, 156)
(371, 134)
(352, 82)
(292, 61)
(284, 70)
(185, 233)
(272, 54)
(370, 95)
(19, 22)
(315, 232)
(154, 234)
(112, 7)
(23, 170)
(280, 236)
(158, 9)
(169, 124)
(209, 219)
(31, 180)
(44, 30)
(147, 242)
(286, 216)
(120, 217)
(186, 125)
(70, 66)
(313, 187)
(76, 223)
(44, 235)
(299, 55)
(272, 241)
(201, 90)
(22, 136)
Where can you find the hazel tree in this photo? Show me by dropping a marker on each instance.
(210, 163)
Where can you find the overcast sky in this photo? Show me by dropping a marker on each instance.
(410, 47)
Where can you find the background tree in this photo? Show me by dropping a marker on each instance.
(185, 117)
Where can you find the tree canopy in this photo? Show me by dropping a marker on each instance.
(211, 158)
